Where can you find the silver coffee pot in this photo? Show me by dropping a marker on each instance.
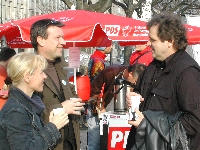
(120, 90)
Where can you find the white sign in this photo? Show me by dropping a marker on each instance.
(74, 57)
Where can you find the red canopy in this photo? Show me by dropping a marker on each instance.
(84, 28)
(193, 35)
(87, 29)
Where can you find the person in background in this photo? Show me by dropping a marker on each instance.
(21, 126)
(142, 55)
(97, 61)
(107, 76)
(6, 54)
(96, 64)
(171, 82)
(47, 39)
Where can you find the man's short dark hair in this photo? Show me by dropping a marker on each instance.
(6, 53)
(136, 69)
(39, 28)
(170, 28)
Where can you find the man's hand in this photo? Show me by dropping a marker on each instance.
(100, 111)
(73, 106)
(103, 111)
(139, 119)
(128, 98)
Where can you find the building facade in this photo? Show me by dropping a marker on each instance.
(19, 9)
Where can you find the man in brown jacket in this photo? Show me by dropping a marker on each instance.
(47, 39)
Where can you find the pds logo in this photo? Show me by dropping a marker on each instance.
(112, 30)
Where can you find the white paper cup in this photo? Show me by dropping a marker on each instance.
(57, 110)
(135, 100)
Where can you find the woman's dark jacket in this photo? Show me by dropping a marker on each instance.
(176, 88)
(21, 128)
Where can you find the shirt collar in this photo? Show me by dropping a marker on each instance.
(168, 62)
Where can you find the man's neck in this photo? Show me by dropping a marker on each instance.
(45, 55)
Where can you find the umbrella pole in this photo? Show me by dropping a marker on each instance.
(75, 80)
(75, 74)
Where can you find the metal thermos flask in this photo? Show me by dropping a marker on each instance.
(120, 89)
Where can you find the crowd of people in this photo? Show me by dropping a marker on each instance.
(38, 112)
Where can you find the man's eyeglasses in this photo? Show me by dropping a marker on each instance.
(51, 22)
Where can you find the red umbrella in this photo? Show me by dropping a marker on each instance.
(193, 35)
(87, 29)
(84, 28)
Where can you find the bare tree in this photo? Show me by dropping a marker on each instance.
(102, 5)
(99, 6)
(180, 7)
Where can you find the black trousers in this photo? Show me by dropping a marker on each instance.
(131, 138)
(70, 141)
(104, 138)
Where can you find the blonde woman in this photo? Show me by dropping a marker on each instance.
(21, 126)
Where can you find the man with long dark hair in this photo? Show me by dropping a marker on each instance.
(171, 82)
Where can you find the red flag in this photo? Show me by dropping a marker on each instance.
(102, 90)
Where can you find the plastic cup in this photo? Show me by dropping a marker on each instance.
(57, 110)
(135, 100)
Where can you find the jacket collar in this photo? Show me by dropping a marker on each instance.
(31, 103)
(59, 64)
(18, 95)
(169, 62)
(98, 54)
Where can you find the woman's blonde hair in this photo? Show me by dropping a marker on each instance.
(24, 62)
